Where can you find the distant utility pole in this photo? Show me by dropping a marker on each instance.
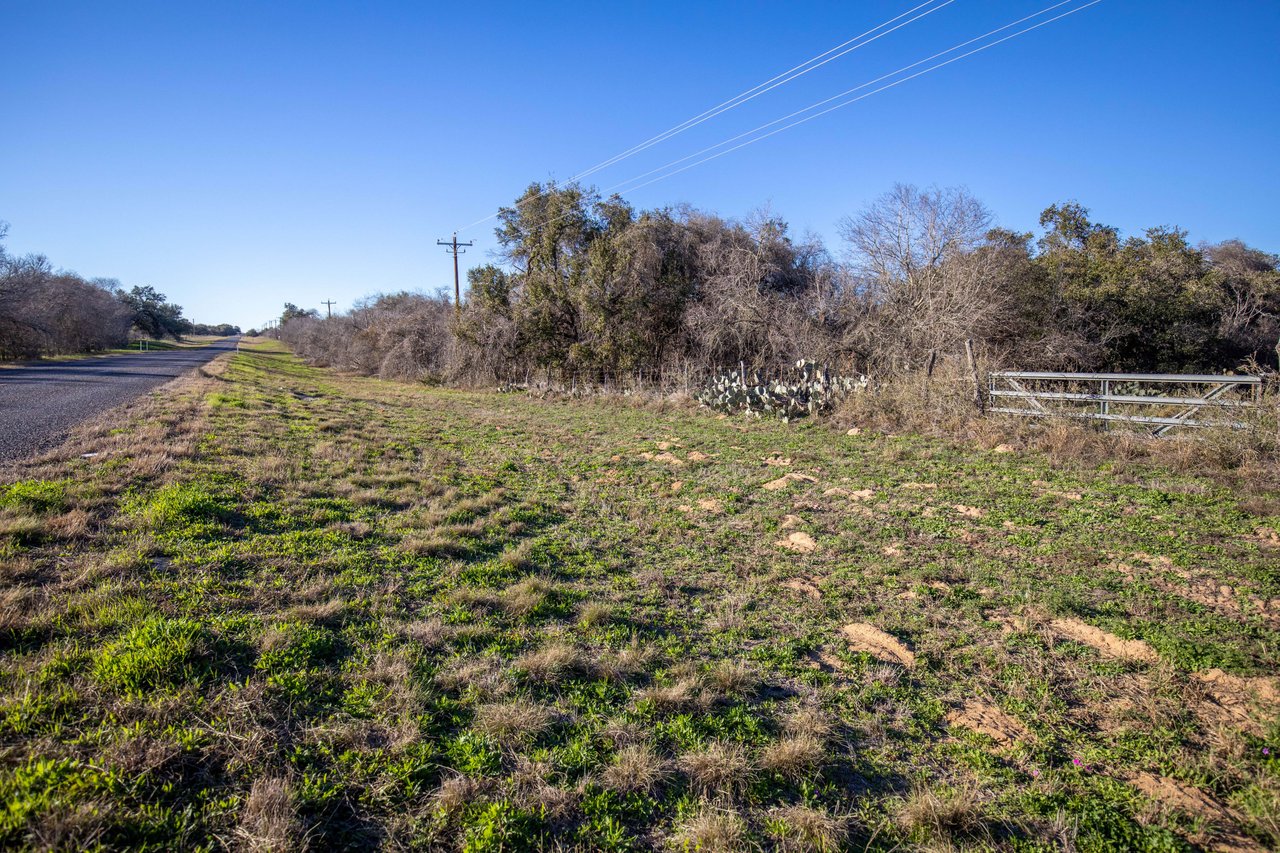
(328, 305)
(452, 247)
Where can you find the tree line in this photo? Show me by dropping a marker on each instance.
(590, 286)
(44, 311)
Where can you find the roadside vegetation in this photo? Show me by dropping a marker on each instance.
(589, 290)
(49, 312)
(281, 608)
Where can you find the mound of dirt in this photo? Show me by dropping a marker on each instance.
(709, 504)
(799, 542)
(1170, 793)
(777, 461)
(989, 720)
(803, 585)
(1108, 644)
(786, 480)
(870, 639)
(1246, 703)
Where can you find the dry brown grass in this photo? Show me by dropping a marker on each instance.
(800, 829)
(626, 663)
(593, 614)
(636, 768)
(526, 596)
(552, 663)
(268, 821)
(456, 793)
(721, 769)
(513, 723)
(732, 678)
(714, 830)
(684, 695)
(794, 756)
(944, 816)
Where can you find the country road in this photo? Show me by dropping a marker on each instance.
(41, 402)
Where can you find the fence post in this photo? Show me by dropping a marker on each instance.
(928, 372)
(973, 371)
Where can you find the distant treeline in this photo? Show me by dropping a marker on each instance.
(590, 286)
(44, 311)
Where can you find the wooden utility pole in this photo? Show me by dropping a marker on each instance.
(453, 247)
(328, 306)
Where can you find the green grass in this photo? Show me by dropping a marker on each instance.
(297, 605)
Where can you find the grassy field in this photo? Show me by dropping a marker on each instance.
(277, 608)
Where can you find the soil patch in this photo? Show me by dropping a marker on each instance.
(1171, 793)
(786, 480)
(804, 586)
(878, 644)
(1109, 644)
(989, 720)
(800, 542)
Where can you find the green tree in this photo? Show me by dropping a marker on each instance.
(153, 314)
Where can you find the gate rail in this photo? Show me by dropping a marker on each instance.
(1065, 401)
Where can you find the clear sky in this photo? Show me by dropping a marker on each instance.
(240, 155)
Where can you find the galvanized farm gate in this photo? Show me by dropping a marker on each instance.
(1139, 396)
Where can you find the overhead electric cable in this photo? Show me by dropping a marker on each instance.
(851, 100)
(767, 86)
(738, 100)
(862, 86)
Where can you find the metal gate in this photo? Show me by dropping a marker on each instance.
(1163, 400)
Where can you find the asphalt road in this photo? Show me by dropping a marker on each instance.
(41, 401)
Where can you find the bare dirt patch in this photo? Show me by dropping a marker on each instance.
(1106, 643)
(990, 720)
(790, 521)
(870, 639)
(697, 456)
(786, 480)
(1266, 537)
(969, 511)
(800, 542)
(1170, 793)
(1238, 701)
(709, 504)
(777, 461)
(804, 585)
(919, 486)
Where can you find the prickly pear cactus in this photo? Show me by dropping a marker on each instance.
(809, 389)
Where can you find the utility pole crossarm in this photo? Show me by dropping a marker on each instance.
(328, 304)
(454, 248)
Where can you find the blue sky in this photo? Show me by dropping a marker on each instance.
(240, 155)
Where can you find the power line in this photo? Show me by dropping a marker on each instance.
(738, 100)
(859, 88)
(851, 100)
(854, 100)
(767, 86)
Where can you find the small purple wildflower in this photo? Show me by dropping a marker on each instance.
(1076, 762)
